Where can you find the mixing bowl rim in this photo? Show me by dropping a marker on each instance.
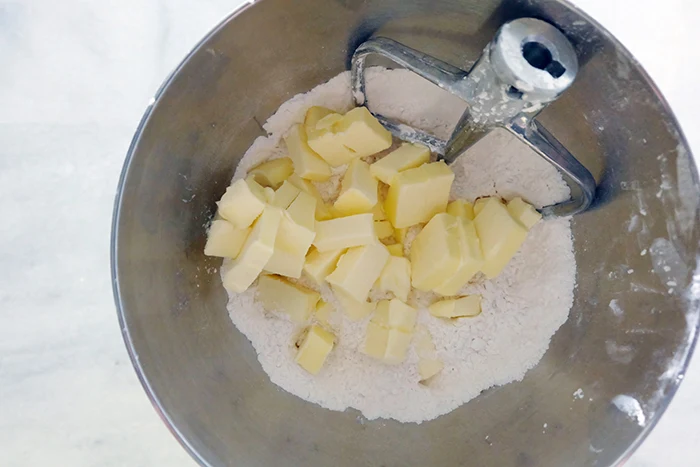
(114, 269)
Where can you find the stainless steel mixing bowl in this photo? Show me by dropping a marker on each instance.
(631, 329)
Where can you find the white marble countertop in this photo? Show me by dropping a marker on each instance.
(75, 77)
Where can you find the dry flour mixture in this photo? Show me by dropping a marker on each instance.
(521, 309)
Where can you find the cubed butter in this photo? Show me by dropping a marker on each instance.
(327, 122)
(358, 269)
(345, 232)
(256, 252)
(273, 173)
(307, 163)
(407, 156)
(360, 131)
(501, 236)
(400, 234)
(383, 229)
(416, 195)
(523, 212)
(224, 239)
(353, 309)
(395, 314)
(318, 265)
(314, 347)
(395, 250)
(277, 295)
(479, 204)
(435, 252)
(242, 203)
(285, 195)
(314, 115)
(358, 191)
(324, 311)
(303, 211)
(464, 307)
(331, 148)
(323, 210)
(471, 259)
(461, 208)
(291, 245)
(388, 345)
(378, 211)
(425, 348)
(396, 277)
(429, 367)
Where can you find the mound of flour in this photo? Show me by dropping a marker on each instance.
(522, 308)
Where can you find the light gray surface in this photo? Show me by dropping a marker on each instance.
(75, 79)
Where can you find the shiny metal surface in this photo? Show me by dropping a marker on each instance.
(526, 66)
(628, 332)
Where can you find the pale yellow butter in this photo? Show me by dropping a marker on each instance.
(277, 295)
(395, 250)
(480, 203)
(395, 314)
(303, 211)
(461, 208)
(400, 234)
(256, 252)
(383, 229)
(291, 245)
(307, 163)
(464, 307)
(285, 195)
(435, 253)
(324, 311)
(358, 269)
(376, 339)
(345, 232)
(323, 210)
(318, 265)
(327, 122)
(314, 115)
(353, 309)
(407, 156)
(242, 203)
(396, 276)
(429, 367)
(315, 345)
(358, 192)
(331, 148)
(471, 259)
(224, 239)
(378, 211)
(360, 131)
(273, 173)
(416, 195)
(501, 236)
(523, 212)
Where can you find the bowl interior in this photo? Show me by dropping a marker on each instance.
(203, 375)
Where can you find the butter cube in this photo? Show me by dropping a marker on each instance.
(307, 163)
(480, 203)
(400, 234)
(425, 348)
(523, 212)
(273, 173)
(331, 148)
(358, 192)
(464, 307)
(291, 245)
(323, 311)
(395, 250)
(327, 122)
(323, 210)
(407, 156)
(395, 314)
(461, 208)
(242, 203)
(501, 236)
(383, 229)
(429, 367)
(345, 232)
(396, 277)
(314, 115)
(388, 345)
(360, 131)
(224, 239)
(256, 252)
(471, 259)
(416, 195)
(316, 344)
(285, 195)
(318, 265)
(278, 295)
(358, 270)
(303, 211)
(378, 211)
(435, 252)
(353, 309)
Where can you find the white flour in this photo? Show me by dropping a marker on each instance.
(522, 308)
